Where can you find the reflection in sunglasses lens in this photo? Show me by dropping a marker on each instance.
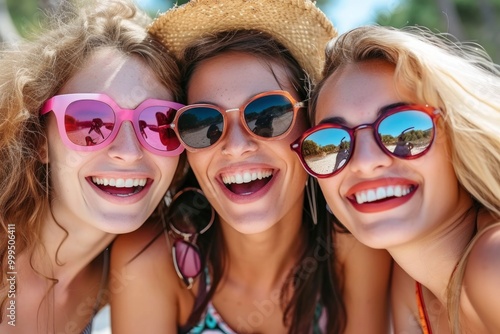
(88, 122)
(269, 116)
(407, 133)
(196, 126)
(187, 257)
(154, 127)
(327, 150)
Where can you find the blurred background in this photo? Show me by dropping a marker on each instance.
(468, 20)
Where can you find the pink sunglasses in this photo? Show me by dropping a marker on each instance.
(89, 122)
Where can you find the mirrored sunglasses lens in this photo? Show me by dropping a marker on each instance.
(188, 259)
(88, 122)
(269, 116)
(200, 127)
(407, 133)
(154, 127)
(327, 150)
(190, 212)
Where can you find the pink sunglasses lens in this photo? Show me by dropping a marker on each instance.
(188, 259)
(154, 126)
(89, 122)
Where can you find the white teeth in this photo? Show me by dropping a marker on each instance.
(372, 195)
(246, 176)
(119, 183)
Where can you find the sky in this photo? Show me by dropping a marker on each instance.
(345, 14)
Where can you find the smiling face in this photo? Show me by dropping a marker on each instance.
(116, 188)
(384, 201)
(251, 182)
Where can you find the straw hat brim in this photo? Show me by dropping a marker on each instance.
(297, 24)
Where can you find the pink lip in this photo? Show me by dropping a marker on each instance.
(125, 200)
(382, 205)
(248, 198)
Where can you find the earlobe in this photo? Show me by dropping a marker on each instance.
(43, 152)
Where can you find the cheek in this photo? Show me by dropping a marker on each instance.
(330, 190)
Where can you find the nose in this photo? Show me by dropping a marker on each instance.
(237, 141)
(367, 156)
(126, 146)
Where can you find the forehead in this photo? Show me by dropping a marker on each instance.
(125, 78)
(359, 89)
(230, 79)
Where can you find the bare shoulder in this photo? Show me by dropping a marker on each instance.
(365, 275)
(482, 276)
(348, 249)
(139, 245)
(145, 289)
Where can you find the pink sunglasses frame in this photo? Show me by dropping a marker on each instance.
(59, 103)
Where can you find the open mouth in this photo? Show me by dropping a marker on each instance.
(247, 182)
(382, 193)
(120, 187)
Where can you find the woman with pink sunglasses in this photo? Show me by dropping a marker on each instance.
(421, 116)
(87, 153)
(270, 262)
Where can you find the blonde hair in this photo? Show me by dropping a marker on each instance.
(458, 78)
(33, 71)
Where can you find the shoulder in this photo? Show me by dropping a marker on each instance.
(349, 251)
(484, 258)
(482, 276)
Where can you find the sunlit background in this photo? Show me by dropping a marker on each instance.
(469, 20)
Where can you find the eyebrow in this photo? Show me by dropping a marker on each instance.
(342, 121)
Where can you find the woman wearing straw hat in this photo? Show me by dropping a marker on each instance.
(271, 262)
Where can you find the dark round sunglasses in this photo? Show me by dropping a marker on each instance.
(405, 132)
(268, 115)
(189, 215)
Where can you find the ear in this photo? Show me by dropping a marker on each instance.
(43, 152)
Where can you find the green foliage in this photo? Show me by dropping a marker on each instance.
(23, 14)
(478, 20)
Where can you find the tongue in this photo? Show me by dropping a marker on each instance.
(119, 191)
(248, 188)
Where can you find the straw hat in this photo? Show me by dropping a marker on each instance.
(297, 24)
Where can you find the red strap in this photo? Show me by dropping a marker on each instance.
(422, 311)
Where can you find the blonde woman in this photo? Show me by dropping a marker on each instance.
(435, 206)
(84, 158)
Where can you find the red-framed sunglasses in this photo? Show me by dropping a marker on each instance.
(405, 132)
(269, 115)
(89, 122)
(189, 215)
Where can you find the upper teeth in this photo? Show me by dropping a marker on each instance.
(119, 183)
(379, 193)
(245, 177)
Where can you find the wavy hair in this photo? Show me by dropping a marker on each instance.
(35, 70)
(458, 78)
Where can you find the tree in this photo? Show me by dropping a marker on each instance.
(467, 20)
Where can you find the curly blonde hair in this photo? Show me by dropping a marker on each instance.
(458, 78)
(35, 70)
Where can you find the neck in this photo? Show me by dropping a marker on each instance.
(67, 248)
(431, 260)
(265, 258)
